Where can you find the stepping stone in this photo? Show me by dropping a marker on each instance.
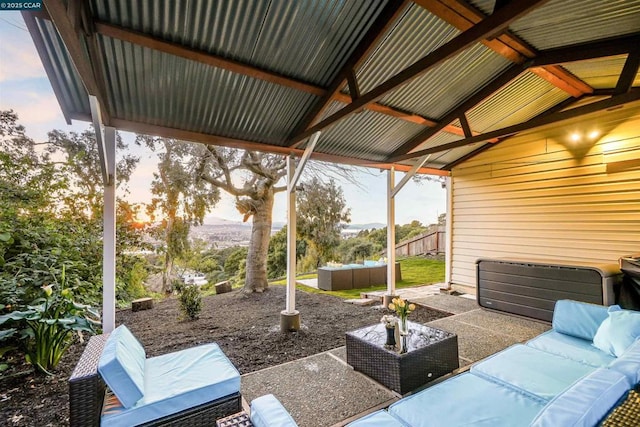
(361, 301)
(141, 304)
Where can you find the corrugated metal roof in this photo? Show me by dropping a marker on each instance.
(176, 92)
(520, 100)
(416, 34)
(75, 99)
(444, 158)
(438, 139)
(366, 135)
(599, 73)
(308, 40)
(439, 90)
(566, 22)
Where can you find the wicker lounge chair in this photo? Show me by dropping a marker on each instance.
(89, 396)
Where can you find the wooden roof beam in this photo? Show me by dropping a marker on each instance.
(387, 16)
(205, 138)
(488, 27)
(460, 110)
(556, 108)
(584, 51)
(613, 102)
(463, 16)
(60, 17)
(171, 48)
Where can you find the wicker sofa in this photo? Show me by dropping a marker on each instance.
(114, 384)
(572, 375)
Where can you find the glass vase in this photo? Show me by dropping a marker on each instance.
(403, 325)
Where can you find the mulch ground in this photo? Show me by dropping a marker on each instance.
(247, 328)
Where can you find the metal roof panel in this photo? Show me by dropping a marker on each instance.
(305, 40)
(523, 98)
(184, 94)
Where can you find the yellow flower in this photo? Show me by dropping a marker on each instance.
(412, 307)
(401, 303)
(48, 289)
(392, 306)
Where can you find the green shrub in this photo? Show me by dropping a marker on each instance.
(44, 328)
(191, 301)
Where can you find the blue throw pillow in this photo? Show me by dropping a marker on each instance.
(618, 331)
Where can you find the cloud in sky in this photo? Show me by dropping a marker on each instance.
(24, 87)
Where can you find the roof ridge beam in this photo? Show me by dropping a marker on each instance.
(488, 27)
(462, 16)
(614, 101)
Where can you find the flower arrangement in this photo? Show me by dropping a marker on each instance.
(401, 307)
(389, 321)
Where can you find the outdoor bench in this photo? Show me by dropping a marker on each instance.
(580, 373)
(114, 384)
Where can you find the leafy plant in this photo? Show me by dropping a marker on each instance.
(191, 301)
(44, 328)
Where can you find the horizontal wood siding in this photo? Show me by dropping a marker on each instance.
(542, 197)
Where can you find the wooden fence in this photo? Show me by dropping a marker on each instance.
(431, 242)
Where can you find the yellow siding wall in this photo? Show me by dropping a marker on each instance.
(540, 196)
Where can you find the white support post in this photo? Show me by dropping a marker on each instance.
(448, 251)
(391, 237)
(109, 235)
(290, 317)
(96, 117)
(291, 237)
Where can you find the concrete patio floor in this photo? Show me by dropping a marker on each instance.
(322, 390)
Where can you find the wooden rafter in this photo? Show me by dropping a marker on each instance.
(463, 16)
(589, 50)
(205, 138)
(387, 16)
(488, 27)
(629, 72)
(556, 108)
(612, 102)
(61, 20)
(492, 87)
(207, 58)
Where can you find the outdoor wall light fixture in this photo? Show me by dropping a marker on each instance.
(592, 135)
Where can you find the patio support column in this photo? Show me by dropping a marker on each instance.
(109, 233)
(290, 317)
(449, 235)
(391, 237)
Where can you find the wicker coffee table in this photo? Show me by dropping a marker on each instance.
(430, 353)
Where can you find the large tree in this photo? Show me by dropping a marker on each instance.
(178, 195)
(252, 178)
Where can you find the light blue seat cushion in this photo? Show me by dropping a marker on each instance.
(618, 331)
(578, 319)
(572, 348)
(377, 419)
(542, 374)
(178, 381)
(267, 411)
(467, 400)
(586, 403)
(629, 363)
(121, 365)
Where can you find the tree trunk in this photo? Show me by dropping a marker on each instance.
(256, 280)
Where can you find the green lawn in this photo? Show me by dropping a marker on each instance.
(416, 271)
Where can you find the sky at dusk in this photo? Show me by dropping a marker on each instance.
(24, 88)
